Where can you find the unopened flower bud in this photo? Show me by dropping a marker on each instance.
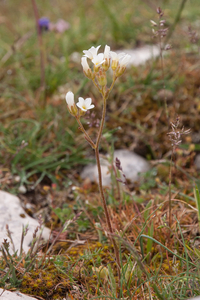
(153, 23)
(114, 64)
(168, 47)
(70, 104)
(101, 78)
(159, 10)
(86, 69)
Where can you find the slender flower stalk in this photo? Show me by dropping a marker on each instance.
(108, 220)
(161, 31)
(88, 139)
(175, 137)
(101, 63)
(42, 53)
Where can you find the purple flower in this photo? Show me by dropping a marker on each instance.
(44, 23)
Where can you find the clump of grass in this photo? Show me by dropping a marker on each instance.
(37, 147)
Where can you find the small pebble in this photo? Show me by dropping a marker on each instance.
(22, 189)
(163, 95)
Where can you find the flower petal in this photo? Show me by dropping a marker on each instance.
(92, 52)
(81, 107)
(69, 98)
(88, 102)
(98, 59)
(125, 60)
(106, 52)
(81, 101)
(84, 64)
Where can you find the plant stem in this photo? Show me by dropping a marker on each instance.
(108, 221)
(163, 75)
(104, 92)
(84, 131)
(170, 189)
(42, 56)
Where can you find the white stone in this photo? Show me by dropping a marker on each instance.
(22, 189)
(140, 55)
(13, 214)
(7, 295)
(131, 163)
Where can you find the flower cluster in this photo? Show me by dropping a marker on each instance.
(101, 63)
(84, 105)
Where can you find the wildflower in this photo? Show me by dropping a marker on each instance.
(92, 52)
(85, 64)
(107, 52)
(84, 105)
(70, 99)
(106, 64)
(115, 59)
(70, 103)
(125, 60)
(122, 65)
(44, 24)
(97, 61)
(86, 69)
(61, 26)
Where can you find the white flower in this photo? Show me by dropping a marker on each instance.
(70, 103)
(98, 60)
(70, 99)
(115, 59)
(84, 105)
(84, 64)
(92, 52)
(107, 52)
(125, 60)
(122, 65)
(116, 56)
(106, 63)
